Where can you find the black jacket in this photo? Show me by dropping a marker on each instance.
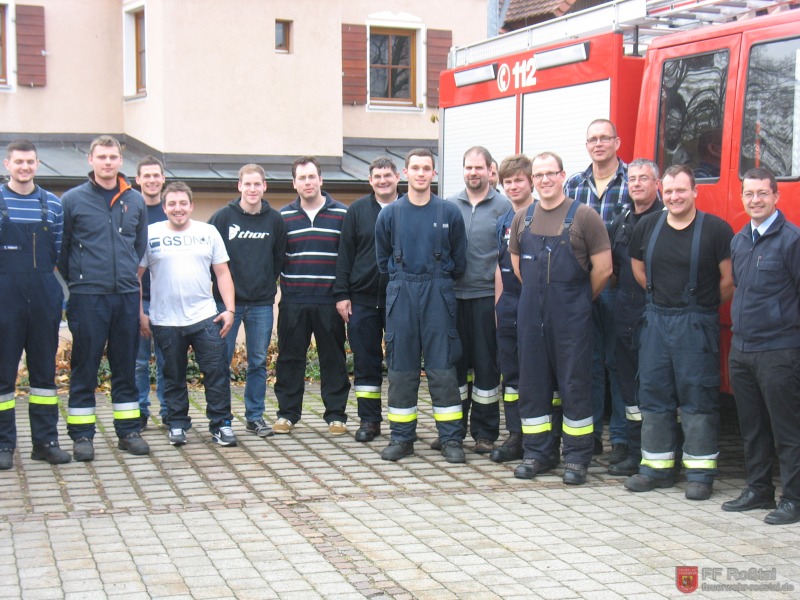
(766, 303)
(102, 245)
(256, 245)
(357, 276)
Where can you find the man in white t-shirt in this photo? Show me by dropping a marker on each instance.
(183, 313)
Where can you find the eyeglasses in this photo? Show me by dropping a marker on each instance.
(762, 195)
(548, 174)
(640, 179)
(604, 139)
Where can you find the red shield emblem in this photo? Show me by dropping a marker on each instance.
(686, 579)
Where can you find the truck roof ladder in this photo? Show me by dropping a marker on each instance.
(639, 20)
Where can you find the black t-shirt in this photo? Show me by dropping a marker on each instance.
(671, 259)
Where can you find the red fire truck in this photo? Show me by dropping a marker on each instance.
(714, 84)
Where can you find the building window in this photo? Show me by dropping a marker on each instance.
(141, 55)
(392, 67)
(283, 36)
(134, 48)
(3, 45)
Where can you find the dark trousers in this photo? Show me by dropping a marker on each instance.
(508, 359)
(365, 334)
(211, 353)
(296, 323)
(679, 368)
(97, 320)
(767, 390)
(421, 321)
(29, 321)
(481, 396)
(627, 356)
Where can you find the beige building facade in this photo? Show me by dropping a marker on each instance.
(216, 83)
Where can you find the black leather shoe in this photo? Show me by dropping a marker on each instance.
(530, 468)
(619, 452)
(598, 446)
(643, 483)
(144, 420)
(133, 444)
(6, 458)
(436, 444)
(575, 474)
(367, 431)
(627, 467)
(397, 450)
(51, 453)
(788, 511)
(510, 450)
(697, 490)
(749, 499)
(83, 450)
(453, 452)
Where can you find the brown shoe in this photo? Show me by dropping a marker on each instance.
(483, 446)
(337, 428)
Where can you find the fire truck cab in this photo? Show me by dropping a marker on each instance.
(718, 89)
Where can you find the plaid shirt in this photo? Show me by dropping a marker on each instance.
(581, 187)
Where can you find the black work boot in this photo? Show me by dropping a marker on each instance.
(83, 450)
(6, 458)
(530, 468)
(367, 431)
(627, 467)
(453, 452)
(510, 450)
(134, 444)
(575, 474)
(50, 452)
(619, 452)
(397, 450)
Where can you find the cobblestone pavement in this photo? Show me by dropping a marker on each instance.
(308, 515)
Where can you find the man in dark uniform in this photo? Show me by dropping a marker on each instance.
(682, 259)
(420, 242)
(561, 253)
(765, 349)
(30, 237)
(360, 293)
(105, 237)
(643, 186)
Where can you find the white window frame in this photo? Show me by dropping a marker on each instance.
(10, 85)
(129, 10)
(389, 20)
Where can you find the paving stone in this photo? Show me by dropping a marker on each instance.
(310, 516)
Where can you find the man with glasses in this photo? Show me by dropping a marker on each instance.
(603, 186)
(765, 349)
(561, 253)
(643, 187)
(682, 259)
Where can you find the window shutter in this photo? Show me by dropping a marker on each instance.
(354, 64)
(31, 65)
(439, 43)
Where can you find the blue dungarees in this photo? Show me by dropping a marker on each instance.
(32, 299)
(555, 344)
